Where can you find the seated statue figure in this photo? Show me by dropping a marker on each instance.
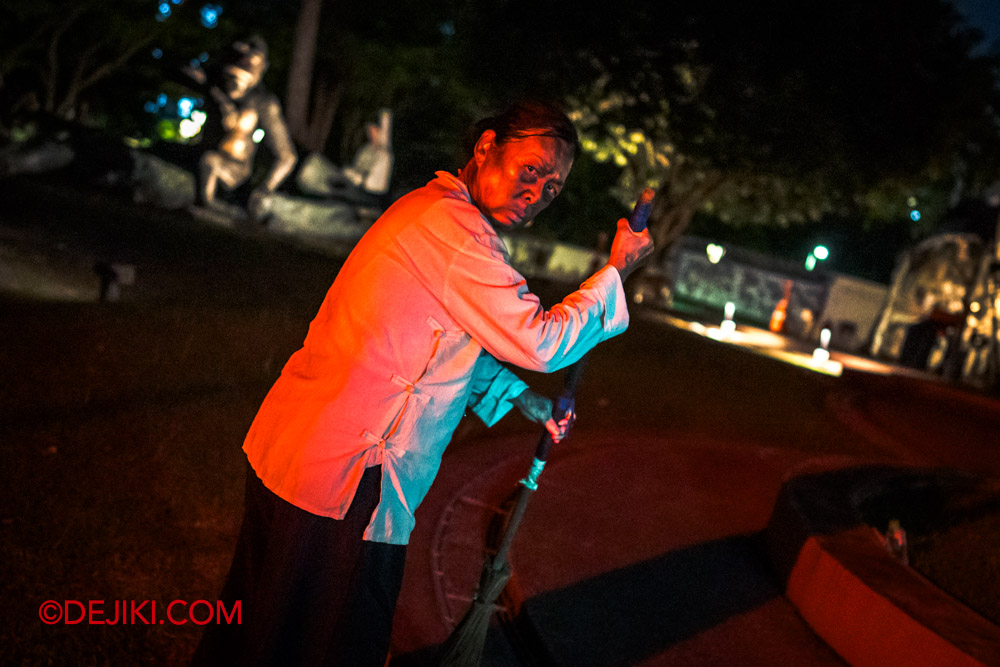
(372, 166)
(245, 106)
(365, 181)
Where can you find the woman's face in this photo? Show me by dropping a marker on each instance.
(516, 180)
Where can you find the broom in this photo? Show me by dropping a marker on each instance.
(464, 647)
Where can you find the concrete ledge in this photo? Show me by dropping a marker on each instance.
(870, 608)
(874, 611)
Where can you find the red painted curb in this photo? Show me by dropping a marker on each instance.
(874, 611)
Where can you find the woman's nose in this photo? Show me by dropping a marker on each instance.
(534, 192)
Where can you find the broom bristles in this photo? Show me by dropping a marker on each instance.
(464, 647)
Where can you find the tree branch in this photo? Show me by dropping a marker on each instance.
(11, 59)
(81, 83)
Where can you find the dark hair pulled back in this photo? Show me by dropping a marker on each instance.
(526, 119)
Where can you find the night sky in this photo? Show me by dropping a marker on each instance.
(984, 15)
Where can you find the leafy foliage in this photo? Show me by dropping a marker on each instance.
(75, 61)
(777, 114)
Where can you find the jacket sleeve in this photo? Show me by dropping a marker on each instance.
(490, 300)
(493, 389)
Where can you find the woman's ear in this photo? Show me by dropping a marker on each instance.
(485, 143)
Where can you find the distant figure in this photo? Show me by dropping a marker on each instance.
(112, 277)
(246, 107)
(366, 180)
(807, 319)
(372, 166)
(780, 312)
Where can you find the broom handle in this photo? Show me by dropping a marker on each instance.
(564, 404)
(566, 401)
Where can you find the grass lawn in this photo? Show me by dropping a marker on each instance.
(123, 469)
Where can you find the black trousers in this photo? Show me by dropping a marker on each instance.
(312, 591)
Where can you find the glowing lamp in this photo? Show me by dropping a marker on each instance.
(188, 128)
(185, 106)
(728, 326)
(210, 15)
(715, 252)
(258, 135)
(167, 130)
(821, 354)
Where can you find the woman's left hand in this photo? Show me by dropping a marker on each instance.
(538, 409)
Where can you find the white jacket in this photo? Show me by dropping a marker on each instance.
(407, 337)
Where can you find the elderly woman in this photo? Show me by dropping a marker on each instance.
(411, 334)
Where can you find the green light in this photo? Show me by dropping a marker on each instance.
(167, 130)
(821, 252)
(810, 262)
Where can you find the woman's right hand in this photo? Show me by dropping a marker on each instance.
(629, 248)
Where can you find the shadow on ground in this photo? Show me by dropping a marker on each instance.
(636, 612)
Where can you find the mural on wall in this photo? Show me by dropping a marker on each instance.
(755, 290)
(699, 278)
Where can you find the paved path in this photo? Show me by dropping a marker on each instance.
(644, 545)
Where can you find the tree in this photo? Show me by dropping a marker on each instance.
(776, 114)
(62, 60)
(310, 109)
(385, 53)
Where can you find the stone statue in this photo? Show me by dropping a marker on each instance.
(372, 164)
(246, 106)
(366, 180)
